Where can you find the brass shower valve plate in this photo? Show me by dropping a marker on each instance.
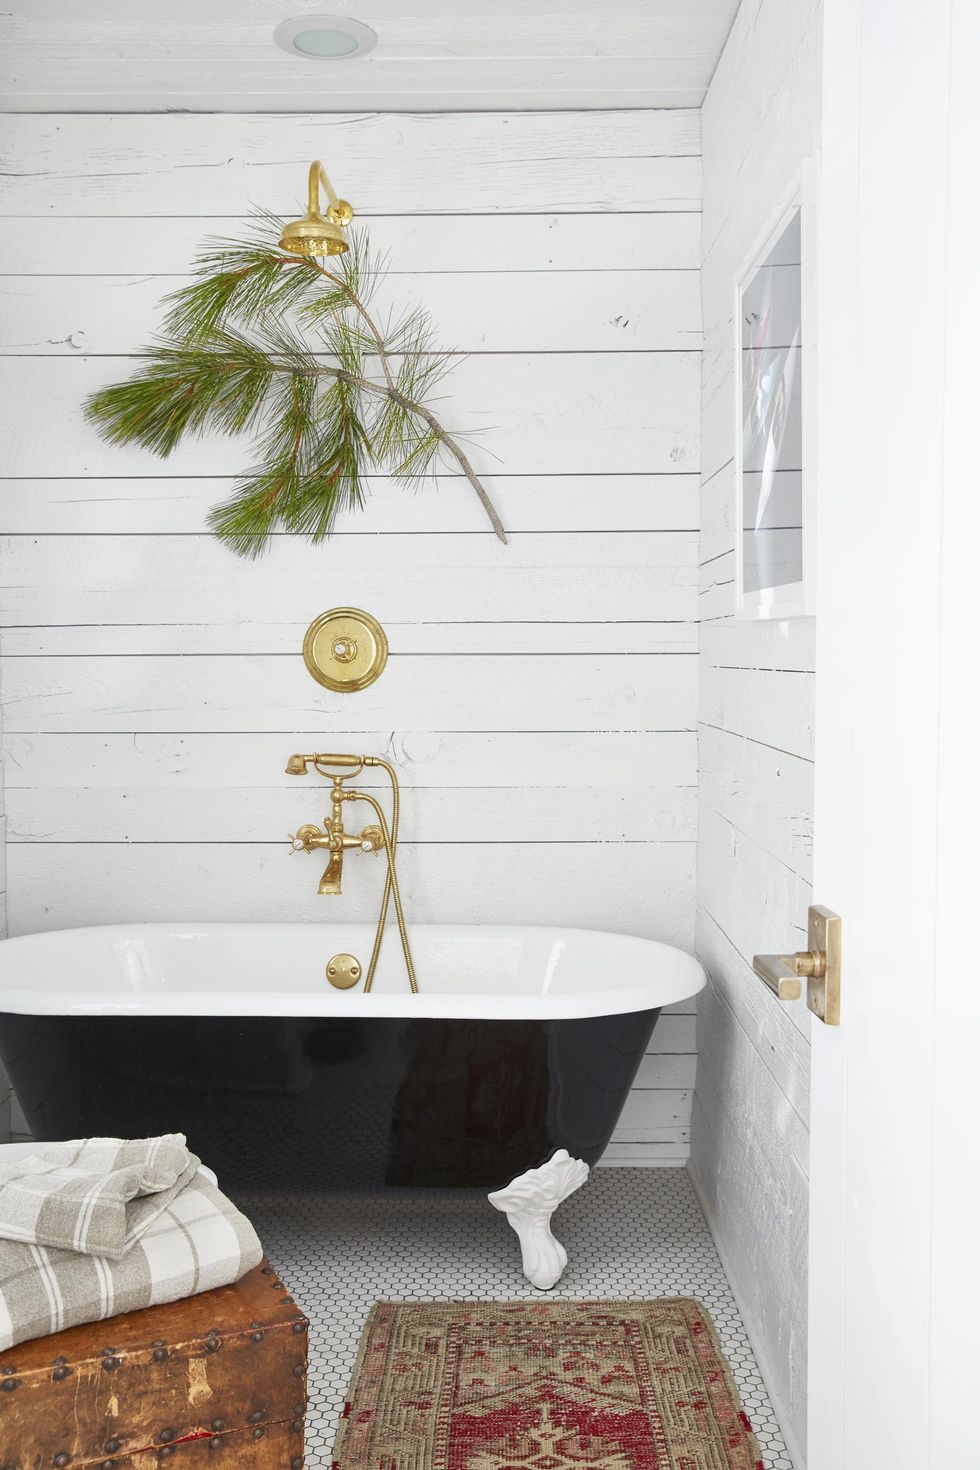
(343, 971)
(345, 649)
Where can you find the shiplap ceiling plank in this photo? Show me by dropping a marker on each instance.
(129, 55)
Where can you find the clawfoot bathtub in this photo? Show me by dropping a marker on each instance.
(523, 1042)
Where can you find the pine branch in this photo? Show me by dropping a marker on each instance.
(185, 390)
(235, 359)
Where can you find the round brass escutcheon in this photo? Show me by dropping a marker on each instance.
(345, 649)
(343, 971)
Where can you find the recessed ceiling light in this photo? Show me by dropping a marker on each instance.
(325, 37)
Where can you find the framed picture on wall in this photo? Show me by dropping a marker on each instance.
(774, 414)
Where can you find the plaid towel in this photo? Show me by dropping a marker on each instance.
(199, 1241)
(93, 1195)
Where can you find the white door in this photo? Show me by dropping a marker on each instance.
(894, 1309)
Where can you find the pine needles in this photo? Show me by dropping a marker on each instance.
(288, 352)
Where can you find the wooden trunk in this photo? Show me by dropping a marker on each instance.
(217, 1379)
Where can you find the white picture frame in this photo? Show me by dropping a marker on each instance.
(774, 348)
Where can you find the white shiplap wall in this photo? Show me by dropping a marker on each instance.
(540, 699)
(751, 1114)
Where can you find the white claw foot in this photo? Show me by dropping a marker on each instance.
(529, 1201)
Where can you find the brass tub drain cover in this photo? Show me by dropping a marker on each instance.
(345, 649)
(343, 971)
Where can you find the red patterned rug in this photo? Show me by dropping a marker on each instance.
(549, 1385)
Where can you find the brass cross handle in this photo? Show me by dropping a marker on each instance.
(304, 839)
(819, 966)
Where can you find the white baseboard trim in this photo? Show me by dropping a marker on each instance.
(778, 1407)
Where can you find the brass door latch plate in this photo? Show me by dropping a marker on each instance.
(345, 649)
(343, 971)
(819, 966)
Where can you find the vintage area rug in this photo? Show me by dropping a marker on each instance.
(543, 1385)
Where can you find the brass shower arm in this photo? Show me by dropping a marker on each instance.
(339, 211)
(318, 176)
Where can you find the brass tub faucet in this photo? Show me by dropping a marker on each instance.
(335, 840)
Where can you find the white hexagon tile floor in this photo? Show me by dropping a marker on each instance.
(631, 1233)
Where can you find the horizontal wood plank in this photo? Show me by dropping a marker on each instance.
(528, 503)
(757, 901)
(763, 793)
(637, 412)
(184, 580)
(596, 243)
(773, 707)
(670, 1155)
(716, 592)
(688, 1007)
(416, 639)
(645, 1112)
(717, 513)
(718, 416)
(573, 311)
(675, 1034)
(644, 891)
(386, 163)
(263, 692)
(401, 85)
(666, 1069)
(264, 813)
(771, 644)
(180, 761)
(777, 1030)
(755, 1194)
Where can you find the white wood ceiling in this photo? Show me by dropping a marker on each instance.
(443, 55)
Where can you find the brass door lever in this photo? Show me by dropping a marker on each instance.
(780, 973)
(819, 966)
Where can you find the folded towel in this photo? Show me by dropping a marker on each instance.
(93, 1195)
(197, 1242)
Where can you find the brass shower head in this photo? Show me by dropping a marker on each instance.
(296, 765)
(315, 233)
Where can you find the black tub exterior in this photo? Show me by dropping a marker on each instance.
(343, 1103)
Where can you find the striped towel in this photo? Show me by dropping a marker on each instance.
(198, 1241)
(93, 1195)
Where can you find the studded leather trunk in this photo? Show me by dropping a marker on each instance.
(216, 1380)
